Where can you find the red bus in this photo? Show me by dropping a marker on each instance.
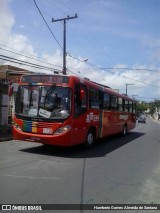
(68, 110)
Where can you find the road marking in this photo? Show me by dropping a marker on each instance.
(30, 177)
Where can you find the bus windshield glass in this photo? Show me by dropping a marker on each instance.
(51, 102)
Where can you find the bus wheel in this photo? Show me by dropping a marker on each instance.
(90, 139)
(124, 130)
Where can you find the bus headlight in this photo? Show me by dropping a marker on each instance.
(17, 126)
(63, 130)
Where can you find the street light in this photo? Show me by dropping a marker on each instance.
(79, 60)
(127, 87)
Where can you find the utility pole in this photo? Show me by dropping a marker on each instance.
(127, 87)
(64, 38)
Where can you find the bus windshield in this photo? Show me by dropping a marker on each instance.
(51, 102)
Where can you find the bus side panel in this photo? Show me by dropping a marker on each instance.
(82, 124)
(79, 129)
(117, 124)
(113, 122)
(131, 124)
(106, 128)
(110, 123)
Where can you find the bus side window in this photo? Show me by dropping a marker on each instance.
(114, 105)
(80, 103)
(130, 106)
(94, 99)
(120, 104)
(134, 107)
(106, 101)
(126, 106)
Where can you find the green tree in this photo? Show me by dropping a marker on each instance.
(141, 107)
(153, 106)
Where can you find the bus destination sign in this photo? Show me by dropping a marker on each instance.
(44, 79)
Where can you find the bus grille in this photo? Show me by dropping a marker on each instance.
(32, 126)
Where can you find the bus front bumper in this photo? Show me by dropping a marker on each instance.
(63, 139)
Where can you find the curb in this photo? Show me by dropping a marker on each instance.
(6, 133)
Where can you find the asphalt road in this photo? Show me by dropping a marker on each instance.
(118, 170)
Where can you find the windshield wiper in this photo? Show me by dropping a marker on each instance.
(30, 97)
(48, 93)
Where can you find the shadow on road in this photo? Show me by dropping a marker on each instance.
(101, 147)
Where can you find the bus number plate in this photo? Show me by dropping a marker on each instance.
(47, 131)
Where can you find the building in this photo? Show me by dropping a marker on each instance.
(157, 113)
(12, 73)
(8, 75)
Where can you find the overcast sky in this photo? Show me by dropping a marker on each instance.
(110, 33)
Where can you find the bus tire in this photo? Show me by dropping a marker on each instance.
(124, 130)
(90, 138)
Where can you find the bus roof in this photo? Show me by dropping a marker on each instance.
(109, 90)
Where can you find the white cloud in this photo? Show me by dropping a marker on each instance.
(121, 77)
(20, 43)
(6, 22)
(55, 58)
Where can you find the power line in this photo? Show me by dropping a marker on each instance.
(36, 59)
(129, 68)
(108, 68)
(117, 68)
(51, 69)
(92, 35)
(47, 25)
(96, 67)
(54, 5)
(121, 68)
(105, 69)
(21, 62)
(39, 67)
(24, 62)
(91, 39)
